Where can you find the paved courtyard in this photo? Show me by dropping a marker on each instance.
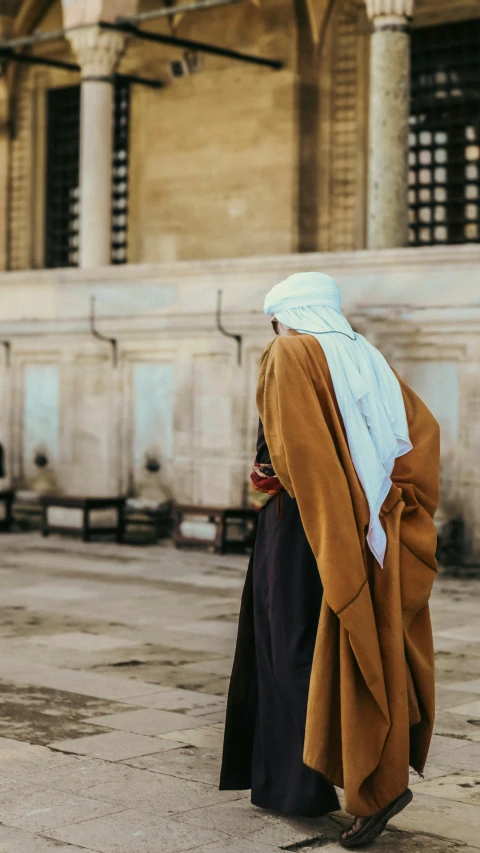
(114, 664)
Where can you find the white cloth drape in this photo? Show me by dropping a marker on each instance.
(368, 393)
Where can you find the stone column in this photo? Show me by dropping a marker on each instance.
(389, 112)
(8, 10)
(4, 168)
(98, 53)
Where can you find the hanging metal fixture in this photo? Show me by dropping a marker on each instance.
(221, 328)
(129, 26)
(7, 53)
(98, 335)
(8, 352)
(188, 44)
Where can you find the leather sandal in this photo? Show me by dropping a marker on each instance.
(374, 825)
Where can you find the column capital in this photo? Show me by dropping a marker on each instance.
(98, 51)
(390, 14)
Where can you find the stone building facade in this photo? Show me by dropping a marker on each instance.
(227, 175)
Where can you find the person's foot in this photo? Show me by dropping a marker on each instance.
(364, 830)
(355, 828)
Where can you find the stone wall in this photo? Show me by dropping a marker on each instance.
(235, 160)
(178, 395)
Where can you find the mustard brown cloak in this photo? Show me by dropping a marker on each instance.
(371, 697)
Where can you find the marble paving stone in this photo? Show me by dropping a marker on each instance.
(78, 779)
(113, 746)
(242, 845)
(300, 831)
(431, 771)
(394, 841)
(14, 750)
(465, 758)
(13, 840)
(75, 681)
(468, 650)
(156, 793)
(40, 715)
(236, 819)
(389, 842)
(175, 699)
(468, 686)
(451, 667)
(57, 592)
(467, 709)
(217, 666)
(467, 632)
(53, 776)
(461, 727)
(176, 677)
(81, 641)
(214, 582)
(442, 818)
(215, 718)
(446, 645)
(135, 832)
(39, 810)
(210, 709)
(138, 700)
(8, 783)
(442, 743)
(146, 721)
(206, 736)
(62, 593)
(20, 760)
(186, 762)
(447, 699)
(461, 787)
(212, 628)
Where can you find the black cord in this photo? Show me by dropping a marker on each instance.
(333, 332)
(274, 319)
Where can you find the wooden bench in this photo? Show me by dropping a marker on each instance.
(86, 505)
(145, 523)
(6, 516)
(221, 518)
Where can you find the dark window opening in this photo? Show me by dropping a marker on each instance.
(63, 149)
(62, 184)
(444, 155)
(120, 172)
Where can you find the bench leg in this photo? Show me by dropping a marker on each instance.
(221, 536)
(121, 525)
(45, 530)
(9, 515)
(86, 529)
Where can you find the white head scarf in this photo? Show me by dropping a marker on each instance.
(368, 393)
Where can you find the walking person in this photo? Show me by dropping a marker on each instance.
(333, 676)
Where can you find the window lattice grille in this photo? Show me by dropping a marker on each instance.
(444, 156)
(62, 196)
(120, 172)
(63, 149)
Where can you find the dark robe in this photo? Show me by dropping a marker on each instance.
(267, 701)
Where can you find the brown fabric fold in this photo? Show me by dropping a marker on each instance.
(373, 672)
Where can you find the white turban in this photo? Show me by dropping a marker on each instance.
(367, 391)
